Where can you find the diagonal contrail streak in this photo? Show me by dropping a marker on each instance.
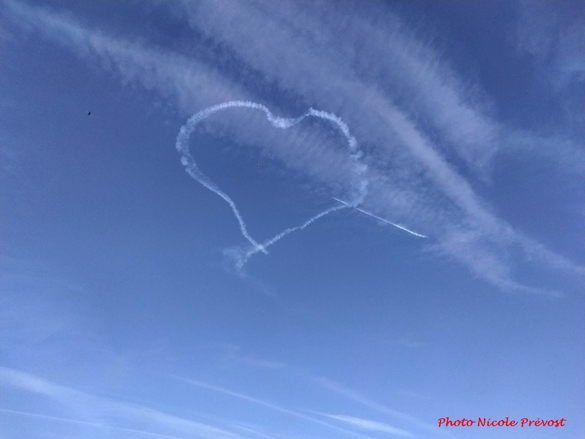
(381, 219)
(294, 413)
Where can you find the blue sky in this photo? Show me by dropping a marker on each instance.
(448, 281)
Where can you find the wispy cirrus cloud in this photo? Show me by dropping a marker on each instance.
(233, 353)
(551, 38)
(105, 412)
(367, 424)
(60, 419)
(352, 395)
(419, 120)
(185, 81)
(295, 413)
(555, 38)
(341, 81)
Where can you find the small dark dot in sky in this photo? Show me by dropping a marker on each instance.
(89, 113)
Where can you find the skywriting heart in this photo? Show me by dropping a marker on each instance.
(359, 180)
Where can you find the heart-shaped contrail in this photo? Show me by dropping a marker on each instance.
(359, 180)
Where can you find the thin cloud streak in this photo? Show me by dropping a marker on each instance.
(269, 405)
(189, 83)
(429, 85)
(354, 396)
(89, 424)
(426, 80)
(367, 424)
(95, 407)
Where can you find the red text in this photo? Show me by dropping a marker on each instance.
(542, 423)
(488, 422)
(457, 423)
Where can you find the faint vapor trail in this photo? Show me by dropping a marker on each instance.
(359, 169)
(381, 219)
(90, 424)
(251, 399)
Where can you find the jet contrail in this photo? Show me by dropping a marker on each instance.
(192, 169)
(381, 219)
(182, 145)
(242, 261)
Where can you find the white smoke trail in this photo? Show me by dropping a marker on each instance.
(192, 169)
(243, 259)
(382, 219)
(360, 183)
